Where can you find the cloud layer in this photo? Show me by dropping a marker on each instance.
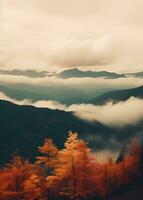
(92, 52)
(121, 114)
(87, 83)
(48, 33)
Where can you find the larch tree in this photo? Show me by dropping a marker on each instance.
(85, 167)
(15, 174)
(74, 168)
(67, 170)
(32, 187)
(49, 161)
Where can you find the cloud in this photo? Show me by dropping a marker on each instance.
(41, 104)
(50, 104)
(105, 155)
(23, 102)
(97, 52)
(121, 118)
(89, 83)
(30, 31)
(65, 90)
(121, 114)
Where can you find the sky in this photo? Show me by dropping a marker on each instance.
(54, 35)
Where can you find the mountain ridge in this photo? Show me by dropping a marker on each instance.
(24, 127)
(118, 95)
(75, 72)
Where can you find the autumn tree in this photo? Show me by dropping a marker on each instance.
(74, 168)
(14, 175)
(70, 173)
(32, 187)
(48, 160)
(66, 170)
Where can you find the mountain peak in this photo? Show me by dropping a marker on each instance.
(76, 73)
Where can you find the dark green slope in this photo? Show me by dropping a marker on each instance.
(119, 95)
(25, 127)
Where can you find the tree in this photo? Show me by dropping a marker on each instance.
(75, 168)
(50, 154)
(14, 175)
(49, 161)
(84, 169)
(33, 188)
(66, 170)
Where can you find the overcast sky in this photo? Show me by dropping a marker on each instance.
(52, 34)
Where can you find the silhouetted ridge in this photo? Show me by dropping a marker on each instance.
(118, 95)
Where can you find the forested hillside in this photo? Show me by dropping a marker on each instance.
(118, 95)
(22, 128)
(72, 173)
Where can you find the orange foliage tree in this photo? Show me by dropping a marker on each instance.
(70, 173)
(48, 161)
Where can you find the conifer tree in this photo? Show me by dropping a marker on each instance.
(49, 161)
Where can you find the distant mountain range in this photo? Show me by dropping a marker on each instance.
(118, 95)
(70, 73)
(57, 93)
(28, 73)
(64, 94)
(76, 73)
(138, 74)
